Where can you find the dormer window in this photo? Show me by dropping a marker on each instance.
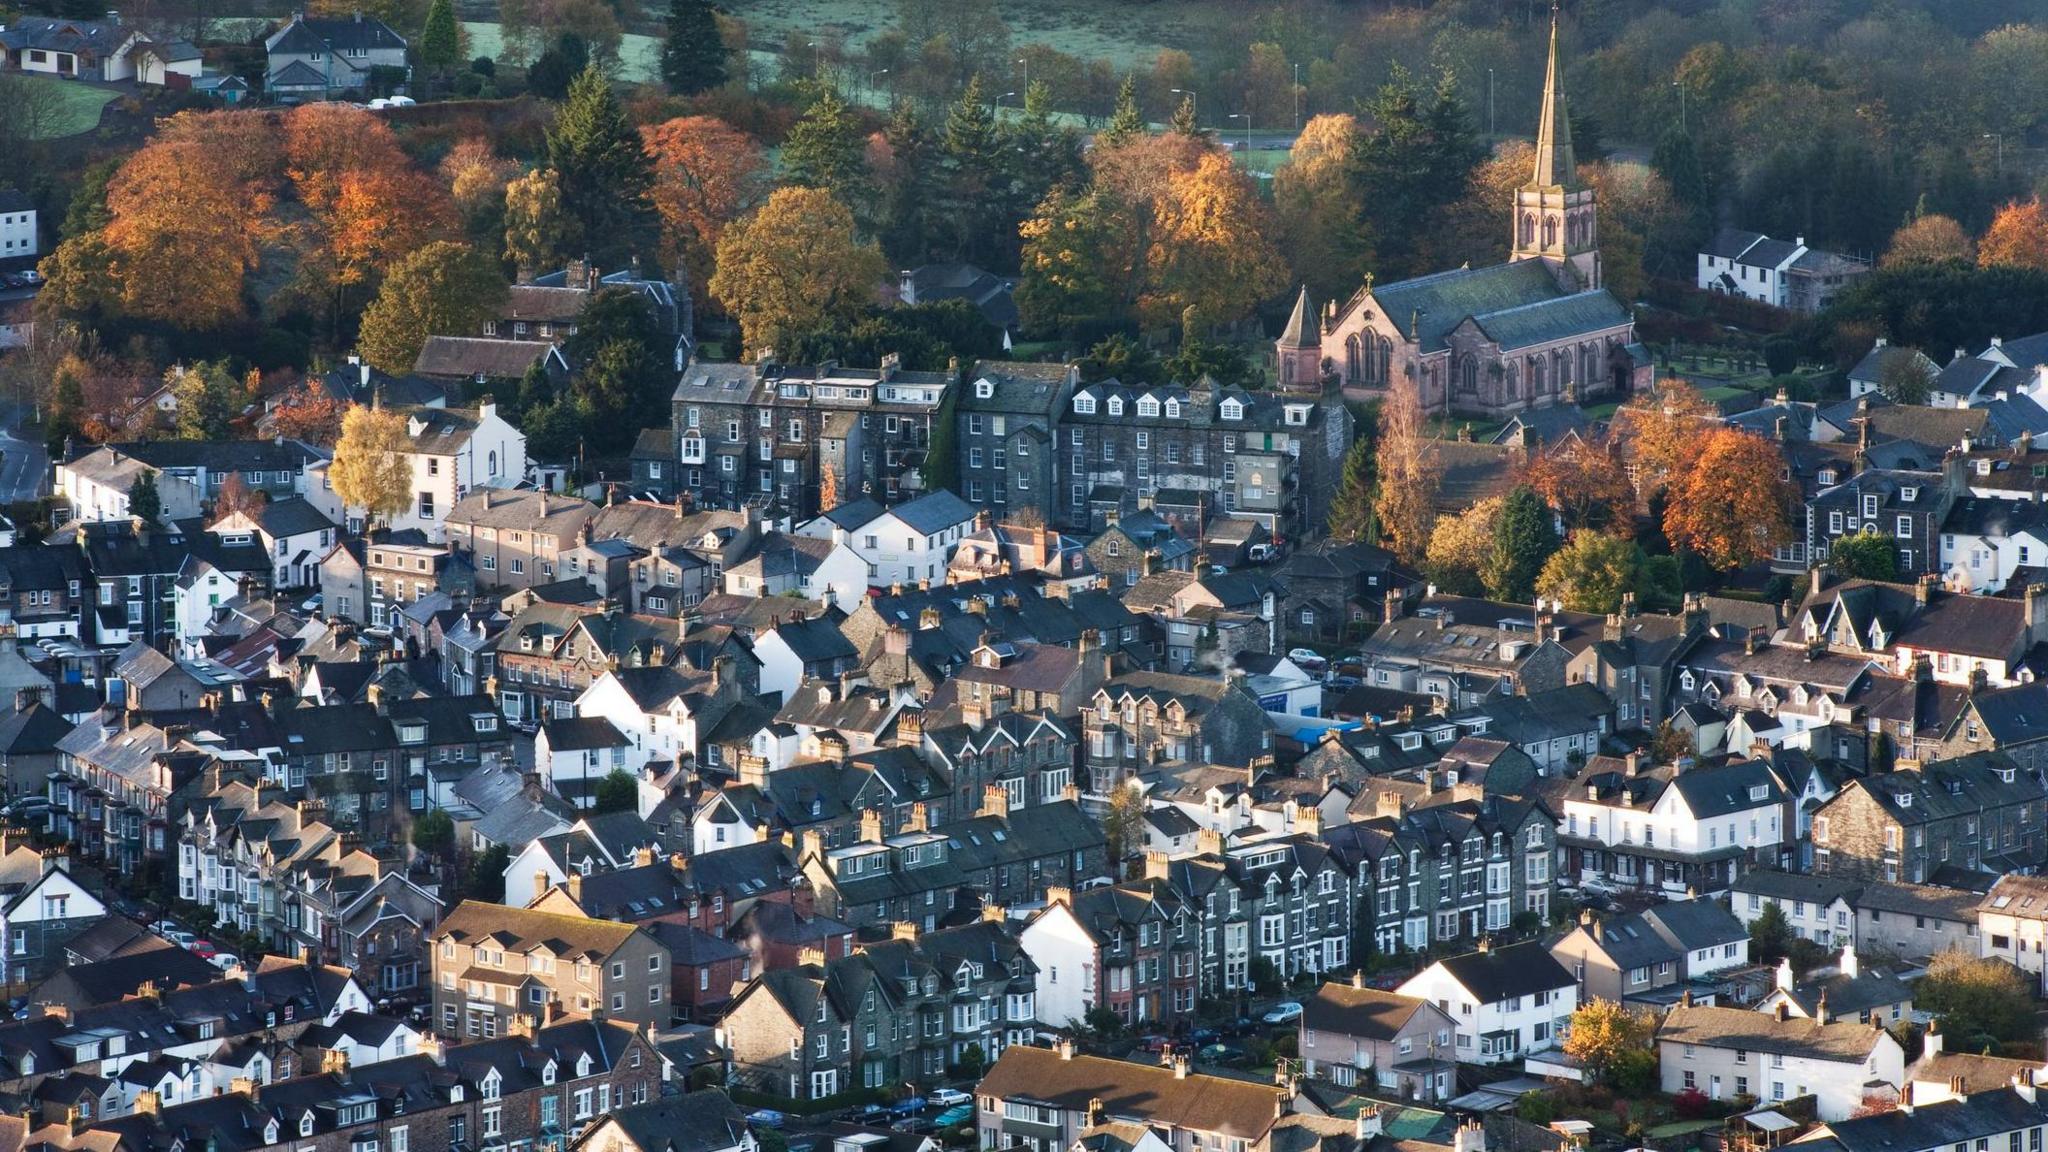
(1084, 405)
(1827, 477)
(1147, 406)
(1908, 495)
(1116, 405)
(984, 388)
(306, 1124)
(1173, 409)
(1232, 410)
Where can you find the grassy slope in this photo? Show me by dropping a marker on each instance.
(79, 108)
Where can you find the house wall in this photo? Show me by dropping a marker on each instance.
(1066, 958)
(1535, 1024)
(1824, 924)
(1355, 1061)
(1724, 1073)
(2017, 940)
(18, 233)
(1915, 937)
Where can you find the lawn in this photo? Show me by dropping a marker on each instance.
(78, 107)
(639, 56)
(1115, 30)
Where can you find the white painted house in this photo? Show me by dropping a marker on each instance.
(573, 753)
(1984, 542)
(294, 533)
(42, 910)
(95, 486)
(1671, 830)
(455, 451)
(910, 542)
(17, 224)
(1726, 1053)
(1506, 1002)
(1819, 908)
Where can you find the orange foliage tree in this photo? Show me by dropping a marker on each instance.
(2018, 236)
(368, 205)
(1212, 256)
(308, 413)
(1586, 486)
(706, 175)
(1731, 506)
(183, 233)
(1664, 429)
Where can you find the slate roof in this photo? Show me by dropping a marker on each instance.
(308, 34)
(1838, 1040)
(470, 356)
(1547, 320)
(1796, 886)
(523, 509)
(1495, 974)
(991, 295)
(1368, 1013)
(1979, 1115)
(934, 511)
(1695, 924)
(1918, 900)
(1151, 1093)
(581, 733)
(524, 930)
(1020, 386)
(814, 640)
(702, 1121)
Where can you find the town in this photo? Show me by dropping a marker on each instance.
(1081, 576)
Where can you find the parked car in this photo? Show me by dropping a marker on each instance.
(1201, 1036)
(182, 938)
(953, 1117)
(1285, 1012)
(1259, 553)
(163, 928)
(1306, 657)
(224, 960)
(1341, 683)
(949, 1098)
(1226, 1054)
(910, 1107)
(203, 949)
(767, 1118)
(1155, 1042)
(915, 1126)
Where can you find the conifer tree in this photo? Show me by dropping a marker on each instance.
(1351, 519)
(824, 150)
(1126, 121)
(1184, 118)
(605, 175)
(441, 41)
(693, 57)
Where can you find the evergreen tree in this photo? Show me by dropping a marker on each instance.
(906, 200)
(1416, 161)
(605, 175)
(535, 388)
(143, 499)
(824, 150)
(1351, 519)
(1126, 121)
(973, 174)
(558, 67)
(1036, 156)
(620, 375)
(67, 409)
(1523, 539)
(441, 41)
(693, 57)
(1184, 121)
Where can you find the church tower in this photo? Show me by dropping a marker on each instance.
(1298, 354)
(1554, 218)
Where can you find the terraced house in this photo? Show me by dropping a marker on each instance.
(1974, 814)
(1447, 872)
(1142, 719)
(495, 966)
(1133, 948)
(1280, 902)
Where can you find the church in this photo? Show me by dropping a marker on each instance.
(1536, 331)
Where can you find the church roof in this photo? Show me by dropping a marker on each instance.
(1528, 325)
(1299, 333)
(1438, 303)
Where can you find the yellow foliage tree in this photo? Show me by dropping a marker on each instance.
(1931, 239)
(1212, 251)
(1601, 1031)
(1409, 470)
(371, 469)
(2018, 236)
(1730, 506)
(795, 266)
(533, 221)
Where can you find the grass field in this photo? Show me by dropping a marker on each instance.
(639, 56)
(1126, 34)
(77, 107)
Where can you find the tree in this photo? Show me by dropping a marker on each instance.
(828, 488)
(622, 376)
(1409, 470)
(1126, 121)
(972, 176)
(1904, 378)
(604, 173)
(183, 233)
(1072, 245)
(1184, 121)
(824, 150)
(1585, 486)
(236, 496)
(1522, 540)
(143, 498)
(1668, 425)
(443, 289)
(559, 66)
(706, 175)
(441, 40)
(486, 879)
(1602, 1032)
(371, 469)
(794, 265)
(1868, 555)
(2018, 236)
(1212, 259)
(693, 56)
(617, 792)
(1591, 572)
(1123, 826)
(1770, 934)
(1313, 209)
(209, 398)
(434, 831)
(1731, 507)
(901, 157)
(534, 229)
(1460, 548)
(1979, 1000)
(309, 414)
(1351, 509)
(1414, 163)
(1930, 239)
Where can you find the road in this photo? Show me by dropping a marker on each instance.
(24, 465)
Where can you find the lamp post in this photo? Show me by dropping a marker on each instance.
(2000, 137)
(1193, 100)
(1247, 118)
(1297, 97)
(1000, 99)
(871, 79)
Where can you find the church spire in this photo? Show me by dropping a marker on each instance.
(1299, 333)
(1554, 165)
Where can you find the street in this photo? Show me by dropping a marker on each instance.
(24, 465)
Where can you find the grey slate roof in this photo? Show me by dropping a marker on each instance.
(1976, 1116)
(934, 511)
(1516, 970)
(1837, 1040)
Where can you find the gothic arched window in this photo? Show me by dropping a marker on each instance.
(1538, 384)
(1352, 367)
(1468, 374)
(1564, 369)
(1383, 371)
(1514, 383)
(1528, 228)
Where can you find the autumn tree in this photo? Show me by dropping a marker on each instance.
(143, 498)
(1461, 546)
(1979, 1000)
(185, 229)
(794, 265)
(475, 176)
(693, 53)
(209, 398)
(2018, 236)
(307, 413)
(604, 173)
(828, 489)
(371, 469)
(1666, 427)
(1930, 239)
(1730, 506)
(706, 175)
(1072, 246)
(1522, 539)
(443, 289)
(1409, 470)
(1591, 572)
(1602, 1032)
(1586, 486)
(1351, 509)
(1123, 825)
(535, 230)
(1212, 260)
(1312, 206)
(236, 496)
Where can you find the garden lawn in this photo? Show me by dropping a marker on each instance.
(78, 110)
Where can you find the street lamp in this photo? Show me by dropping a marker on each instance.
(1297, 97)
(1024, 62)
(1193, 100)
(872, 86)
(1003, 97)
(2000, 137)
(1247, 118)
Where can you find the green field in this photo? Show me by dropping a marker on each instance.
(77, 107)
(1126, 34)
(639, 56)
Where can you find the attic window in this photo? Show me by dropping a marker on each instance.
(1084, 405)
(1147, 406)
(984, 389)
(1116, 405)
(1232, 410)
(1907, 495)
(1827, 476)
(1173, 409)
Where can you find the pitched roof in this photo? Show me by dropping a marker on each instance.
(1300, 331)
(475, 356)
(523, 930)
(1494, 974)
(1363, 1012)
(1837, 1040)
(934, 511)
(1979, 1115)
(1153, 1094)
(702, 1121)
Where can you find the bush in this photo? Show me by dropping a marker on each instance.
(1691, 1104)
(484, 66)
(1536, 1108)
(1781, 355)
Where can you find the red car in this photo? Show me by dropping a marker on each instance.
(203, 949)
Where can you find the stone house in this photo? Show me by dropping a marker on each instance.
(313, 58)
(1132, 948)
(1976, 813)
(1771, 1057)
(1010, 411)
(514, 538)
(1449, 871)
(1141, 719)
(494, 965)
